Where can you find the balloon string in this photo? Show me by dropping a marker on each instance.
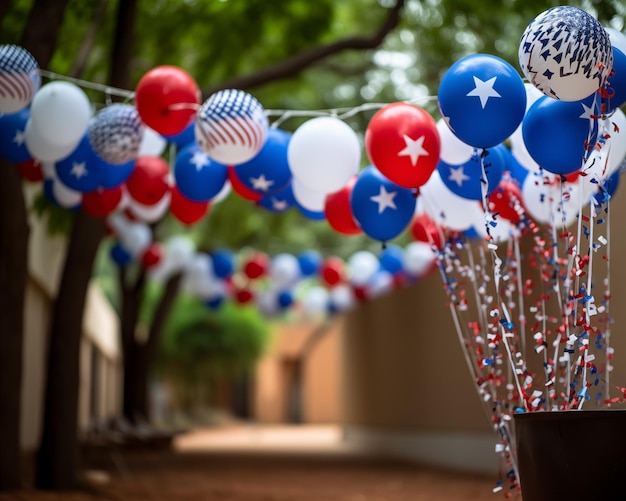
(106, 89)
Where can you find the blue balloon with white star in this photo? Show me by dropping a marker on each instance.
(559, 135)
(382, 208)
(12, 140)
(280, 201)
(482, 99)
(197, 176)
(268, 171)
(466, 180)
(79, 170)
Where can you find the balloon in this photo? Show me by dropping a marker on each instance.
(310, 262)
(361, 267)
(419, 259)
(197, 176)
(403, 143)
(453, 150)
(223, 194)
(151, 256)
(148, 182)
(180, 252)
(324, 153)
(482, 99)
(332, 271)
(41, 149)
(284, 270)
(240, 188)
(256, 266)
(285, 299)
(12, 136)
(560, 134)
(466, 180)
(30, 170)
(167, 98)
(120, 256)
(268, 171)
(101, 202)
(60, 112)
(152, 143)
(309, 199)
(391, 259)
(185, 210)
(80, 170)
(280, 201)
(112, 175)
(382, 208)
(19, 78)
(136, 237)
(550, 202)
(150, 213)
(231, 126)
(342, 297)
(565, 53)
(116, 132)
(506, 200)
(379, 284)
(183, 138)
(316, 301)
(223, 263)
(424, 229)
(64, 196)
(338, 212)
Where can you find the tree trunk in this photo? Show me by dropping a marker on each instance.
(14, 232)
(57, 460)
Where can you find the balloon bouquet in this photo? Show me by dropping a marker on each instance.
(520, 199)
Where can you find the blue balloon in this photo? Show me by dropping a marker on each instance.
(310, 214)
(12, 141)
(466, 180)
(517, 171)
(198, 177)
(223, 263)
(215, 303)
(280, 201)
(560, 134)
(285, 299)
(80, 171)
(310, 262)
(616, 82)
(48, 191)
(483, 99)
(114, 175)
(382, 208)
(120, 255)
(185, 137)
(268, 171)
(392, 259)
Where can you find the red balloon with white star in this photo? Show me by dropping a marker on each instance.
(403, 143)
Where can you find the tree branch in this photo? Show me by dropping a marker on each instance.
(80, 61)
(299, 62)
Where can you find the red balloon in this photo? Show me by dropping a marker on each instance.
(149, 181)
(360, 293)
(243, 296)
(338, 212)
(241, 189)
(507, 201)
(167, 99)
(256, 266)
(101, 202)
(424, 229)
(151, 256)
(187, 211)
(30, 170)
(402, 141)
(332, 271)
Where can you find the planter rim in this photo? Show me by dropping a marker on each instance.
(571, 415)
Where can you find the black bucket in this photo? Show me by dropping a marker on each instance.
(572, 455)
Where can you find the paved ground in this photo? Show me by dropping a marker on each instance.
(251, 463)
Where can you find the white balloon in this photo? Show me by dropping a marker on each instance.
(419, 259)
(453, 150)
(618, 39)
(445, 207)
(180, 251)
(518, 147)
(342, 297)
(223, 193)
(362, 266)
(617, 141)
(284, 270)
(152, 143)
(65, 196)
(380, 283)
(42, 149)
(323, 154)
(136, 238)
(548, 202)
(267, 303)
(150, 213)
(312, 200)
(316, 301)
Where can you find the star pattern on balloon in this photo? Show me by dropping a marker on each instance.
(261, 183)
(414, 149)
(458, 176)
(279, 205)
(484, 90)
(588, 112)
(79, 169)
(200, 160)
(19, 137)
(384, 199)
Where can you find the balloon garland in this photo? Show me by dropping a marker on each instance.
(509, 162)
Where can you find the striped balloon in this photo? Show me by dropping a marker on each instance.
(231, 127)
(19, 78)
